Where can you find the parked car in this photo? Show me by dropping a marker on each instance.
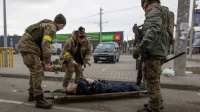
(55, 51)
(107, 51)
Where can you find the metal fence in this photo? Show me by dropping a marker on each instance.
(6, 57)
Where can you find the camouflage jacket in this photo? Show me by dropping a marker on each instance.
(37, 39)
(156, 39)
(70, 48)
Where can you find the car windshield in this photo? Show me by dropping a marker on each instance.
(105, 46)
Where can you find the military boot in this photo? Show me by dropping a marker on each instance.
(144, 110)
(146, 105)
(31, 97)
(41, 103)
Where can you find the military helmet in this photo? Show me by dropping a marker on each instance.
(145, 3)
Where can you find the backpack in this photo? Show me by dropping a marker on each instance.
(170, 23)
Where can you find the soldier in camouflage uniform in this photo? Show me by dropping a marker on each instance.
(156, 41)
(76, 52)
(34, 47)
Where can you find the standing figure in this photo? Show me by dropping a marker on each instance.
(155, 44)
(34, 47)
(76, 52)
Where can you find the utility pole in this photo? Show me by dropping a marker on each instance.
(100, 24)
(192, 28)
(181, 37)
(127, 46)
(5, 34)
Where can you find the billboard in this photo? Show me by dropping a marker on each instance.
(111, 37)
(64, 37)
(107, 37)
(197, 18)
(93, 37)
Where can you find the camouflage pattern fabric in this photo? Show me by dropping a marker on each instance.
(66, 55)
(70, 69)
(151, 78)
(34, 46)
(32, 61)
(37, 39)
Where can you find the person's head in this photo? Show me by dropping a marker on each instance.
(147, 4)
(81, 36)
(72, 88)
(60, 21)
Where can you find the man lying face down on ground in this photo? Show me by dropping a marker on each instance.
(93, 86)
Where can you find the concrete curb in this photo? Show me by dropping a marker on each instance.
(59, 79)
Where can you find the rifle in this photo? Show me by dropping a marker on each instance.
(138, 35)
(174, 57)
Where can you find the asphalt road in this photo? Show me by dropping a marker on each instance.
(14, 94)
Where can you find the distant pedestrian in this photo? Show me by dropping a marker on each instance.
(34, 47)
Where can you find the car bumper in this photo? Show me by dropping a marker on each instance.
(103, 58)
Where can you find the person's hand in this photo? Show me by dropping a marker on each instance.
(47, 66)
(137, 52)
(71, 88)
(89, 63)
(43, 64)
(75, 64)
(166, 58)
(89, 81)
(96, 80)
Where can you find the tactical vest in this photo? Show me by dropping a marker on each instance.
(167, 24)
(36, 32)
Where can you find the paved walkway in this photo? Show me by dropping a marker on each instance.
(122, 71)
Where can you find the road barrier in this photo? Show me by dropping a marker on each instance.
(9, 58)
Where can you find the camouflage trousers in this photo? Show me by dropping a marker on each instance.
(33, 63)
(70, 69)
(151, 71)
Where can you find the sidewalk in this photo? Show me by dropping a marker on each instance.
(122, 71)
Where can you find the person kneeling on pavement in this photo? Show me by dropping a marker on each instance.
(93, 86)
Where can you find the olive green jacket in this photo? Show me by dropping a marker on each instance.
(156, 38)
(70, 48)
(37, 39)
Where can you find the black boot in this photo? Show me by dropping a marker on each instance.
(146, 105)
(31, 97)
(144, 110)
(41, 103)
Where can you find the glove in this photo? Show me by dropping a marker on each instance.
(137, 52)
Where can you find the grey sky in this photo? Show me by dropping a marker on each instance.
(120, 15)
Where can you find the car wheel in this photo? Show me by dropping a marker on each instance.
(114, 59)
(95, 61)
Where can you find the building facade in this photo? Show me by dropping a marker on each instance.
(60, 40)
